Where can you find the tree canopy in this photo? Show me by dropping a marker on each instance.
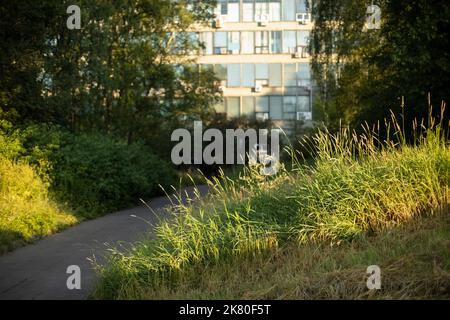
(362, 74)
(116, 75)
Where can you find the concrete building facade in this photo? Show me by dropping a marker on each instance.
(259, 51)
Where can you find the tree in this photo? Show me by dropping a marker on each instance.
(118, 74)
(364, 74)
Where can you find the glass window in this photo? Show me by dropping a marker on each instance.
(234, 43)
(248, 14)
(303, 75)
(248, 106)
(275, 75)
(247, 43)
(207, 40)
(302, 6)
(221, 8)
(303, 38)
(262, 104)
(233, 107)
(220, 39)
(261, 8)
(221, 71)
(303, 104)
(289, 41)
(275, 10)
(261, 71)
(233, 11)
(290, 75)
(248, 75)
(234, 75)
(290, 103)
(261, 42)
(288, 10)
(276, 109)
(275, 42)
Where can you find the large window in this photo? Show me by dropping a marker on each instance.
(220, 43)
(290, 104)
(248, 75)
(233, 11)
(275, 42)
(248, 43)
(234, 42)
(248, 106)
(304, 75)
(303, 38)
(207, 39)
(248, 12)
(233, 107)
(262, 74)
(290, 75)
(222, 8)
(275, 75)
(262, 104)
(292, 7)
(234, 75)
(275, 10)
(261, 9)
(261, 42)
(276, 108)
(302, 6)
(289, 41)
(304, 104)
(220, 71)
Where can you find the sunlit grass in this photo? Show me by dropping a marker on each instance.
(358, 186)
(26, 210)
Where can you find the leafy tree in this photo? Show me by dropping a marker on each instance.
(365, 73)
(117, 75)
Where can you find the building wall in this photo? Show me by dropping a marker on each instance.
(250, 54)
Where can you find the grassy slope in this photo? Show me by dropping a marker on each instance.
(327, 213)
(414, 261)
(26, 211)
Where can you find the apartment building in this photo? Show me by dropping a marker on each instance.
(259, 51)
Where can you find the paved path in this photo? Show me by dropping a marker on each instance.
(38, 271)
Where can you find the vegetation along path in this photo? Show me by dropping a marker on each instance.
(38, 271)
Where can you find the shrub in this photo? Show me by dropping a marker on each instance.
(97, 174)
(94, 174)
(26, 211)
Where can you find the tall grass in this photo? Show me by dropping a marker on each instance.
(359, 184)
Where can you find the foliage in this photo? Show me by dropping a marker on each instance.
(118, 75)
(362, 74)
(98, 175)
(94, 174)
(26, 210)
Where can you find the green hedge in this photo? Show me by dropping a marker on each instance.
(94, 174)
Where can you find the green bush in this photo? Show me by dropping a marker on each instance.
(98, 174)
(26, 210)
(94, 174)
